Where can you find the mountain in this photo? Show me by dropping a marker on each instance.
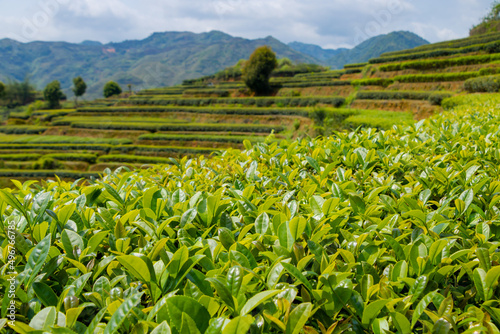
(162, 59)
(316, 51)
(371, 48)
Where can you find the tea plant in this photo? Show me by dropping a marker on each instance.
(371, 231)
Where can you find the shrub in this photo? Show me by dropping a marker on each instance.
(79, 88)
(296, 124)
(488, 84)
(47, 163)
(436, 77)
(257, 70)
(372, 82)
(399, 95)
(53, 94)
(437, 98)
(111, 89)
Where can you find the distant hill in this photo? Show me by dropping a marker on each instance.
(162, 59)
(371, 48)
(315, 51)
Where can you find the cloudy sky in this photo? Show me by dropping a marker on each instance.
(328, 23)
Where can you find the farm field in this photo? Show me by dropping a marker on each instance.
(364, 200)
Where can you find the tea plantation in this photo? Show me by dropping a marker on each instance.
(376, 231)
(216, 112)
(390, 227)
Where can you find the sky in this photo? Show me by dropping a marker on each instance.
(328, 23)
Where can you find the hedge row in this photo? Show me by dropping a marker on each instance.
(246, 101)
(195, 127)
(91, 158)
(108, 148)
(145, 122)
(164, 149)
(321, 75)
(488, 84)
(207, 92)
(323, 83)
(86, 157)
(353, 70)
(358, 65)
(63, 140)
(161, 91)
(47, 173)
(372, 82)
(436, 77)
(133, 159)
(57, 147)
(219, 139)
(492, 47)
(401, 95)
(459, 43)
(201, 110)
(433, 64)
(20, 157)
(22, 129)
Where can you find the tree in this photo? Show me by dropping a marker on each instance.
(53, 94)
(79, 88)
(257, 70)
(490, 23)
(2, 89)
(111, 88)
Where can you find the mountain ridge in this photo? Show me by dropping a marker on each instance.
(371, 48)
(161, 59)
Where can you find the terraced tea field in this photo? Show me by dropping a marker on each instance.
(208, 114)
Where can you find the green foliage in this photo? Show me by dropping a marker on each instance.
(198, 127)
(79, 87)
(111, 89)
(329, 120)
(434, 64)
(203, 110)
(20, 157)
(2, 89)
(61, 140)
(17, 93)
(199, 137)
(400, 95)
(367, 231)
(22, 129)
(372, 82)
(458, 43)
(470, 100)
(291, 70)
(490, 23)
(437, 98)
(257, 70)
(206, 92)
(133, 159)
(357, 65)
(487, 84)
(491, 47)
(53, 94)
(436, 77)
(47, 163)
(243, 101)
